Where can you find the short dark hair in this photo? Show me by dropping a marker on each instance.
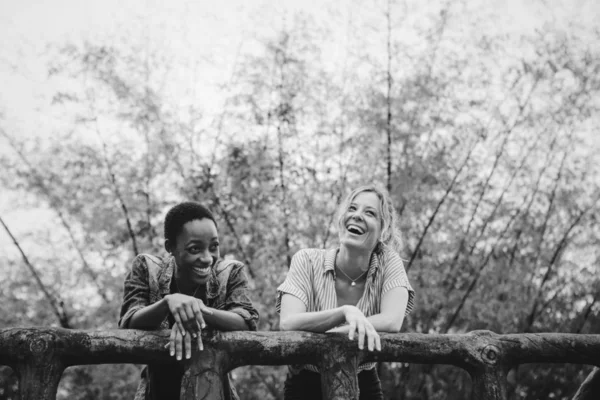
(181, 214)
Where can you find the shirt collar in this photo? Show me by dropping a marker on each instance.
(329, 264)
(373, 265)
(165, 275)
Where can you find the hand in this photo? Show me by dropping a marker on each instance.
(178, 343)
(357, 322)
(187, 312)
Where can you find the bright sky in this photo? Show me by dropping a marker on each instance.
(204, 37)
(204, 34)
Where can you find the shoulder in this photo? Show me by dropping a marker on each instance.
(228, 266)
(147, 262)
(310, 253)
(389, 258)
(314, 257)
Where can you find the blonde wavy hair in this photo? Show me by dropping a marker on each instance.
(390, 232)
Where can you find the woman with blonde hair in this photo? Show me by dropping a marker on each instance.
(359, 288)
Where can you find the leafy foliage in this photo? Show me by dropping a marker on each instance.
(493, 173)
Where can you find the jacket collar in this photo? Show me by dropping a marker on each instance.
(167, 273)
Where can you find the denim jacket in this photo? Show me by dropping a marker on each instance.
(149, 280)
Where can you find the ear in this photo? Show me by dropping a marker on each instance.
(169, 247)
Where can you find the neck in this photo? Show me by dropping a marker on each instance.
(187, 287)
(353, 261)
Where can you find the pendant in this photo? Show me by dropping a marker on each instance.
(353, 283)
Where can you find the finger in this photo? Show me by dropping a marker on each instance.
(371, 339)
(199, 319)
(361, 335)
(178, 322)
(378, 342)
(188, 346)
(178, 344)
(199, 338)
(200, 344)
(172, 340)
(190, 320)
(352, 329)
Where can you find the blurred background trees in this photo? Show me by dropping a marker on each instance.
(485, 136)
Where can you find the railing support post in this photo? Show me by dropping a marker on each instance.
(204, 375)
(488, 384)
(39, 369)
(39, 380)
(338, 375)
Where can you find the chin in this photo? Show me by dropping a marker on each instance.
(201, 280)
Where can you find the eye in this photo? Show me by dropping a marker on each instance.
(194, 249)
(351, 208)
(213, 247)
(371, 213)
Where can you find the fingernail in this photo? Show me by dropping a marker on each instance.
(172, 353)
(203, 326)
(178, 358)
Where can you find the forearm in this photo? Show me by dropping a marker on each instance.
(150, 316)
(319, 321)
(386, 323)
(381, 323)
(225, 320)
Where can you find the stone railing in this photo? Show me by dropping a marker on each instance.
(40, 355)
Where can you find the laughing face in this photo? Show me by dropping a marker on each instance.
(196, 251)
(361, 223)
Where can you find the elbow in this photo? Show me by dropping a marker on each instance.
(394, 326)
(284, 324)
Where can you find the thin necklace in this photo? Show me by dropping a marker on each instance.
(352, 281)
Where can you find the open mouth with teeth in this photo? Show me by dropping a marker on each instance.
(355, 229)
(204, 270)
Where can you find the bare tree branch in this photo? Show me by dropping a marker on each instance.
(389, 95)
(562, 244)
(450, 273)
(229, 222)
(63, 220)
(439, 205)
(56, 306)
(117, 191)
(479, 271)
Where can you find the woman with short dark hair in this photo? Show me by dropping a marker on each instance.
(187, 291)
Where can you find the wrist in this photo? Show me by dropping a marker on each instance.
(164, 304)
(345, 310)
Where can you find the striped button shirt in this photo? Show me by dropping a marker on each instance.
(311, 279)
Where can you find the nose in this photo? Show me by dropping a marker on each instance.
(205, 257)
(357, 216)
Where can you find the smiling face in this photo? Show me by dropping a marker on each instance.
(361, 222)
(196, 250)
